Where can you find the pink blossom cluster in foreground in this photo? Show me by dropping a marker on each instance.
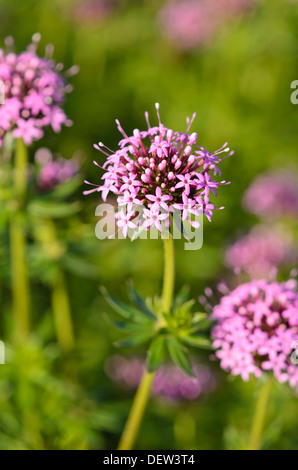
(170, 382)
(156, 171)
(273, 195)
(190, 23)
(34, 91)
(262, 251)
(257, 330)
(54, 172)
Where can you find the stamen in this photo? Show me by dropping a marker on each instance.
(9, 43)
(190, 121)
(120, 129)
(97, 147)
(49, 51)
(103, 145)
(157, 112)
(97, 164)
(147, 120)
(74, 70)
(35, 42)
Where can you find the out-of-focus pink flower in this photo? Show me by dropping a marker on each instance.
(273, 195)
(34, 90)
(170, 382)
(191, 23)
(52, 172)
(92, 11)
(262, 251)
(257, 330)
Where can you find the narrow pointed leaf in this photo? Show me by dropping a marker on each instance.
(156, 353)
(201, 326)
(62, 191)
(199, 316)
(139, 302)
(52, 209)
(182, 295)
(135, 339)
(122, 308)
(178, 356)
(128, 326)
(196, 341)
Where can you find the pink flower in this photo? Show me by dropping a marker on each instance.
(256, 329)
(129, 200)
(35, 102)
(159, 200)
(170, 382)
(153, 218)
(189, 206)
(90, 11)
(129, 183)
(34, 91)
(124, 221)
(159, 168)
(192, 23)
(159, 147)
(273, 195)
(27, 130)
(185, 182)
(50, 172)
(262, 251)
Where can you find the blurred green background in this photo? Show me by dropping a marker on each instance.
(239, 85)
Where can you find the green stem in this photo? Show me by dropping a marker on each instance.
(62, 313)
(169, 275)
(143, 393)
(136, 413)
(19, 268)
(259, 416)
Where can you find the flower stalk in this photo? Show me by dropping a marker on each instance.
(169, 274)
(19, 268)
(137, 412)
(62, 313)
(259, 416)
(143, 393)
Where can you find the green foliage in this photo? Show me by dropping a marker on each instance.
(41, 410)
(147, 324)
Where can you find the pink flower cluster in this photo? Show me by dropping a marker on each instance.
(189, 23)
(257, 330)
(89, 11)
(156, 172)
(261, 251)
(53, 172)
(170, 382)
(273, 195)
(33, 91)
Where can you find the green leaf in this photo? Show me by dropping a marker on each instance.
(185, 308)
(198, 317)
(123, 309)
(178, 356)
(156, 353)
(139, 301)
(202, 326)
(182, 295)
(64, 190)
(48, 209)
(80, 266)
(135, 339)
(128, 326)
(196, 341)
